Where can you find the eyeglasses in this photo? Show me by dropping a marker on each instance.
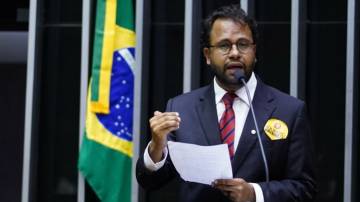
(225, 47)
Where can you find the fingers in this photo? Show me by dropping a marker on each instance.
(229, 185)
(235, 189)
(226, 188)
(229, 182)
(230, 195)
(164, 121)
(160, 115)
(157, 113)
(161, 124)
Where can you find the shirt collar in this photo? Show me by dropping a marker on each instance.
(241, 92)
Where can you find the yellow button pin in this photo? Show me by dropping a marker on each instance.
(276, 129)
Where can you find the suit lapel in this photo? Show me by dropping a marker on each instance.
(263, 106)
(206, 111)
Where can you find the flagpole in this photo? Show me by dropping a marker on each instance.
(244, 5)
(137, 96)
(31, 60)
(83, 86)
(188, 47)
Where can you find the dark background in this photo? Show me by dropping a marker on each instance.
(12, 107)
(57, 87)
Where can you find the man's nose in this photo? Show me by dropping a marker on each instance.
(234, 52)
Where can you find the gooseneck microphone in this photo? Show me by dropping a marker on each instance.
(240, 76)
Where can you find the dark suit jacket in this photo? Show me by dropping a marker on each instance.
(290, 160)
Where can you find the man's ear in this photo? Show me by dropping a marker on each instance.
(206, 52)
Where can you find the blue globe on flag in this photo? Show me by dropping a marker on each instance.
(119, 120)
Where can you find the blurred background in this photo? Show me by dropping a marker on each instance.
(307, 48)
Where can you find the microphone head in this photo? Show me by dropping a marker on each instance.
(240, 75)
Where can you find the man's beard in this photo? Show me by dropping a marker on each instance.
(230, 82)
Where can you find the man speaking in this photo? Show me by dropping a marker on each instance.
(220, 113)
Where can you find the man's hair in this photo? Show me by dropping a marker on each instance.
(233, 12)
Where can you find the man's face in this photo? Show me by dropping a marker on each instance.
(228, 33)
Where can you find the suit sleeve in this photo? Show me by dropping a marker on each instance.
(298, 183)
(155, 179)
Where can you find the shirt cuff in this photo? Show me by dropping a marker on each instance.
(149, 163)
(258, 192)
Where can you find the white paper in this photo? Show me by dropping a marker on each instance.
(201, 164)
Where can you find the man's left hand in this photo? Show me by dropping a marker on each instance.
(237, 190)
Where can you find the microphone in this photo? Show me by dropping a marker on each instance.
(240, 76)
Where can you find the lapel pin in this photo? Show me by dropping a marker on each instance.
(253, 132)
(276, 129)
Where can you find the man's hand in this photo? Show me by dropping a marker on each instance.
(161, 124)
(237, 190)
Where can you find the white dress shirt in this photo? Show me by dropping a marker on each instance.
(241, 108)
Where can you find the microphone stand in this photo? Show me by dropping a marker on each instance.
(241, 77)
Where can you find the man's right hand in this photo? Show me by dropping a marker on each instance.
(161, 124)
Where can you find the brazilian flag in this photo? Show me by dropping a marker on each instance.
(106, 152)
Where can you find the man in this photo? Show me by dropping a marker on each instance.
(219, 113)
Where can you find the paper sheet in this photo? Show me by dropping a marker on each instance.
(201, 164)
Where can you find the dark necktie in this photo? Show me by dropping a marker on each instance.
(227, 123)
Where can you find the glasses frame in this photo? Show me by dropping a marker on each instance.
(241, 46)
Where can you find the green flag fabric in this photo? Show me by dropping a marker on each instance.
(105, 157)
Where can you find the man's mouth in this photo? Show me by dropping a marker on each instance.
(234, 66)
